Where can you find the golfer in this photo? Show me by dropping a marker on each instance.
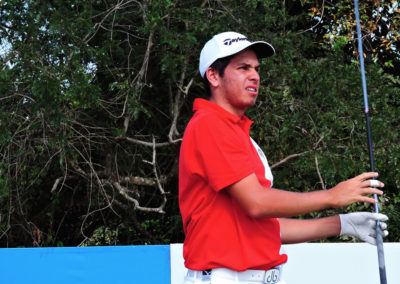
(234, 220)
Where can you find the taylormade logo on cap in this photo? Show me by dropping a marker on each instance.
(229, 41)
(227, 44)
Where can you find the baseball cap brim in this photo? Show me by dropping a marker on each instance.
(262, 49)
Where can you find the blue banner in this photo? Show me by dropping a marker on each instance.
(86, 265)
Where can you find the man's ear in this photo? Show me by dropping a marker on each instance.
(213, 77)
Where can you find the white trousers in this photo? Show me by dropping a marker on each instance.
(227, 277)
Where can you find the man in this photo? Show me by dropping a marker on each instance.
(234, 221)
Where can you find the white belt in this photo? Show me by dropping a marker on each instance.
(271, 276)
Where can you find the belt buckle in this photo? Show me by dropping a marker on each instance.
(206, 275)
(271, 276)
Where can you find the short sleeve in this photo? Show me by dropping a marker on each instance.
(221, 152)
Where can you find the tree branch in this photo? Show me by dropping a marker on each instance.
(319, 173)
(289, 158)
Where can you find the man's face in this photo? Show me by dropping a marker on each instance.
(240, 82)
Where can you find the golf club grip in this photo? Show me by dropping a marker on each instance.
(381, 254)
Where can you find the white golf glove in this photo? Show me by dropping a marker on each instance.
(363, 225)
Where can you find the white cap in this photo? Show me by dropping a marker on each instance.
(227, 44)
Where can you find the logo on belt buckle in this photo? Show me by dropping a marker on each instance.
(271, 276)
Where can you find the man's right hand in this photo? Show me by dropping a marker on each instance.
(356, 190)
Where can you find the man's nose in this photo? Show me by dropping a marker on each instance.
(254, 76)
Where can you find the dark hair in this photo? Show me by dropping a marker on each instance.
(219, 65)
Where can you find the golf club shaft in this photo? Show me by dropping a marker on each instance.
(379, 237)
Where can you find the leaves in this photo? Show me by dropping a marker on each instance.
(379, 27)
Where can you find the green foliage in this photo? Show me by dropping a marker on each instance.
(95, 96)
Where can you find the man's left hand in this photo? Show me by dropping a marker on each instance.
(363, 225)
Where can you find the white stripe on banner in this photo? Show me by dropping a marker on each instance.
(328, 263)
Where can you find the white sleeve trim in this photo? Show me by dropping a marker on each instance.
(268, 173)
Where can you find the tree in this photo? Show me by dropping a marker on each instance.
(380, 22)
(95, 96)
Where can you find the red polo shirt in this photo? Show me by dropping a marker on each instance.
(216, 152)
